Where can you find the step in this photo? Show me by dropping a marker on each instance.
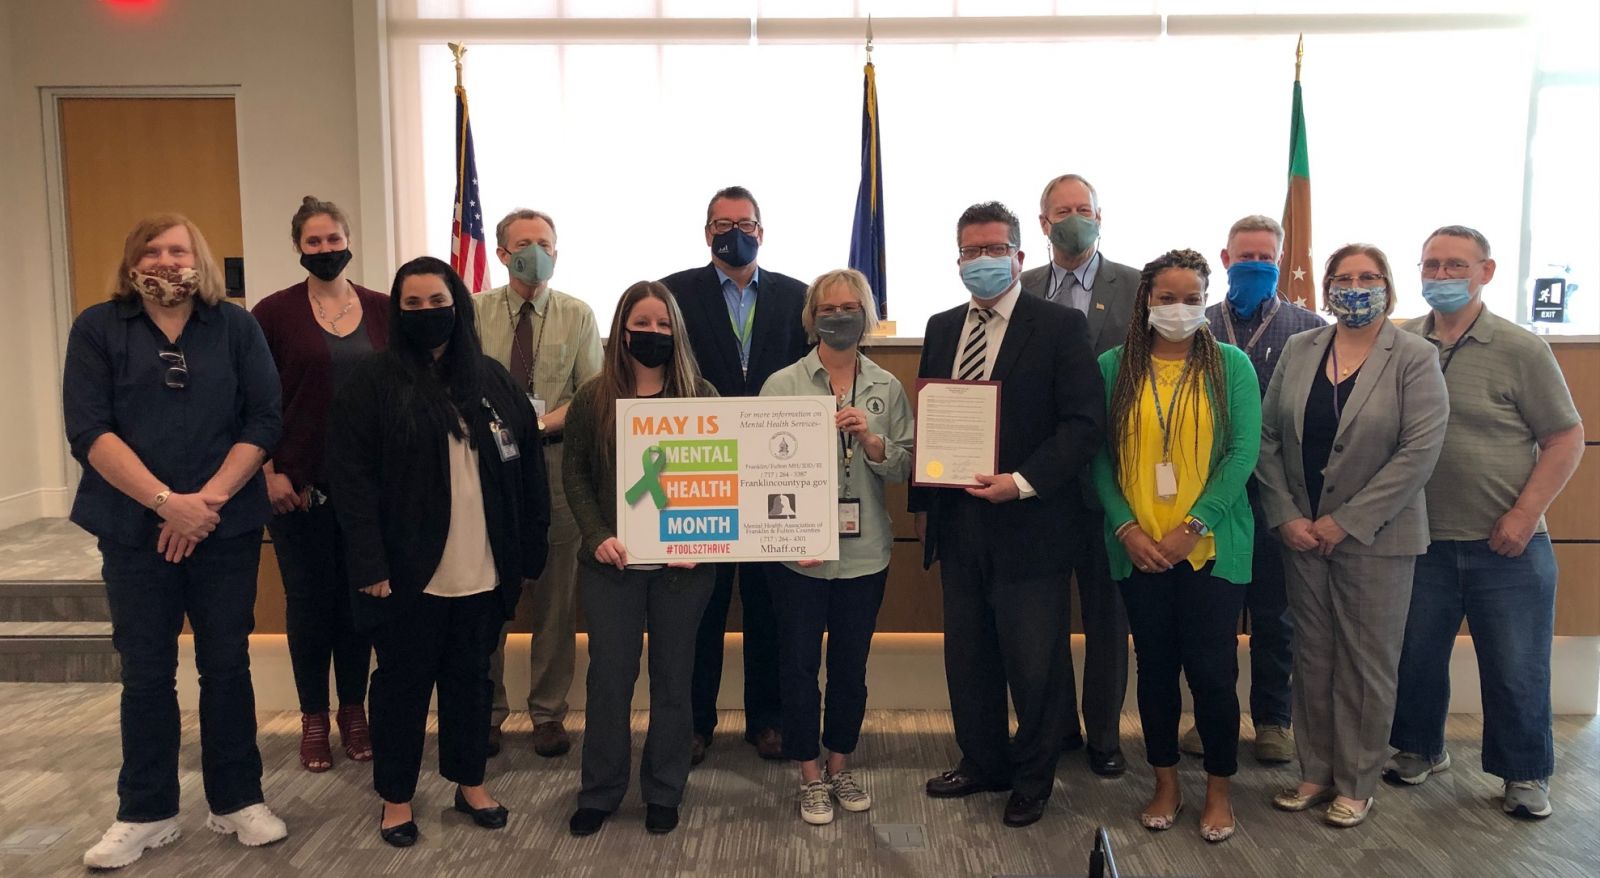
(53, 601)
(58, 652)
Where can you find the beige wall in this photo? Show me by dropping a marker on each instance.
(297, 109)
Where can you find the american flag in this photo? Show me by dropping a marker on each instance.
(468, 248)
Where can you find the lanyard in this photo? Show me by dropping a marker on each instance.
(1444, 361)
(846, 441)
(1333, 347)
(1166, 422)
(533, 357)
(1249, 346)
(742, 333)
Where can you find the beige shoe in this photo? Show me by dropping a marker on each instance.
(1218, 834)
(1190, 742)
(1160, 822)
(1274, 745)
(1291, 800)
(1345, 817)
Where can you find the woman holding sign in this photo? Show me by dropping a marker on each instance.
(1184, 427)
(840, 597)
(645, 358)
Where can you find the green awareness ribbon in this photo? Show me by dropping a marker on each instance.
(655, 460)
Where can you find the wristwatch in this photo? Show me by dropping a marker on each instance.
(1196, 526)
(541, 425)
(160, 499)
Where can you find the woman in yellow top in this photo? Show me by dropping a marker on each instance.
(1179, 531)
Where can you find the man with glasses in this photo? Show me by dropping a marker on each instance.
(1079, 277)
(1513, 441)
(743, 324)
(1003, 563)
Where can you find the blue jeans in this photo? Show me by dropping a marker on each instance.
(1509, 605)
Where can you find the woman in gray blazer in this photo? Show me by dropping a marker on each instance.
(1352, 425)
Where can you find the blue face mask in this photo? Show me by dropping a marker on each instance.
(1447, 296)
(987, 276)
(1250, 285)
(735, 247)
(1356, 307)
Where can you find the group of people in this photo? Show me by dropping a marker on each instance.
(429, 460)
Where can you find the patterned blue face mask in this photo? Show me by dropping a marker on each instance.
(1356, 307)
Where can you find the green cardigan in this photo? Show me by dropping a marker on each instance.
(1223, 505)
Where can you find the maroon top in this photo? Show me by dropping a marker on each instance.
(305, 369)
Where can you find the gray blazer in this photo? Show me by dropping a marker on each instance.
(1389, 438)
(1111, 296)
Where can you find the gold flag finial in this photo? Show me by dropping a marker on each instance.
(869, 36)
(458, 49)
(1299, 55)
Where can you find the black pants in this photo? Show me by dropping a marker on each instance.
(847, 609)
(310, 549)
(1271, 630)
(761, 702)
(443, 642)
(618, 606)
(1005, 631)
(1187, 620)
(216, 588)
(1105, 640)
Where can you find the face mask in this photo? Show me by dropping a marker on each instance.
(1177, 321)
(1356, 307)
(1447, 296)
(735, 247)
(1075, 234)
(842, 330)
(532, 265)
(1250, 285)
(428, 328)
(987, 276)
(325, 266)
(166, 285)
(651, 349)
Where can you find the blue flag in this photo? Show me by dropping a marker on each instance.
(866, 237)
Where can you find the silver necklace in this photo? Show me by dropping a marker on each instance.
(332, 324)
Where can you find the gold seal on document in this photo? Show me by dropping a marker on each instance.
(935, 469)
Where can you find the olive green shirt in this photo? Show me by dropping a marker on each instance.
(567, 355)
(1506, 393)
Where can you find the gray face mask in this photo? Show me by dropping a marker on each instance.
(1075, 233)
(841, 330)
(531, 265)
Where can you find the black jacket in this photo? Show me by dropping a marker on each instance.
(777, 338)
(394, 492)
(1052, 412)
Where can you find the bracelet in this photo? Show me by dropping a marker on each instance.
(161, 499)
(1124, 529)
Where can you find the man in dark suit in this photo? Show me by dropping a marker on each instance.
(1079, 277)
(1003, 565)
(743, 324)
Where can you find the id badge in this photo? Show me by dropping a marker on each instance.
(505, 442)
(850, 518)
(539, 405)
(1166, 482)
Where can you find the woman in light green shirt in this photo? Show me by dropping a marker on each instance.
(840, 597)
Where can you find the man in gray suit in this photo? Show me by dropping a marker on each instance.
(1079, 277)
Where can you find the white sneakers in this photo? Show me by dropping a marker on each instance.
(816, 805)
(125, 842)
(818, 796)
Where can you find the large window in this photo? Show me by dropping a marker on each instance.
(623, 139)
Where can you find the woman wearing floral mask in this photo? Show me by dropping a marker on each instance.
(171, 405)
(1183, 427)
(840, 597)
(1353, 422)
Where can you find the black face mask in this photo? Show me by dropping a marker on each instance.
(428, 328)
(651, 349)
(325, 266)
(735, 247)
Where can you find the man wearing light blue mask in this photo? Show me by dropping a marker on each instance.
(550, 344)
(1077, 275)
(1513, 440)
(1003, 562)
(1256, 319)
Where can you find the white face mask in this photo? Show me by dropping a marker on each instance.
(1177, 321)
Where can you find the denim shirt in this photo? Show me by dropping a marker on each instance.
(115, 382)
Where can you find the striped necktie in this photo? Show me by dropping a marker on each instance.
(976, 353)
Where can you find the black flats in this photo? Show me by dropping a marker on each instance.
(402, 836)
(488, 818)
(587, 821)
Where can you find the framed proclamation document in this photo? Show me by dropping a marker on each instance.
(958, 429)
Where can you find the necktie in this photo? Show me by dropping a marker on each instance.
(976, 353)
(522, 348)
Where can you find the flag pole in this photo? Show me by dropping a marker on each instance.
(459, 49)
(1299, 56)
(869, 38)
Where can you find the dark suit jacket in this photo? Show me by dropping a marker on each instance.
(777, 337)
(1052, 411)
(1111, 296)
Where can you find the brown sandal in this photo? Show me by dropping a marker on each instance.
(314, 752)
(354, 734)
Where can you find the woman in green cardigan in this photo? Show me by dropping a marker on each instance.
(1179, 532)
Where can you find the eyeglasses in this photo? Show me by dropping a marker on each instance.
(177, 377)
(1366, 278)
(1452, 267)
(995, 250)
(749, 227)
(830, 310)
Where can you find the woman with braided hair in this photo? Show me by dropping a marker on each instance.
(1184, 427)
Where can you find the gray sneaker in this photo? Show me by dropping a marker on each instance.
(1414, 768)
(1528, 799)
